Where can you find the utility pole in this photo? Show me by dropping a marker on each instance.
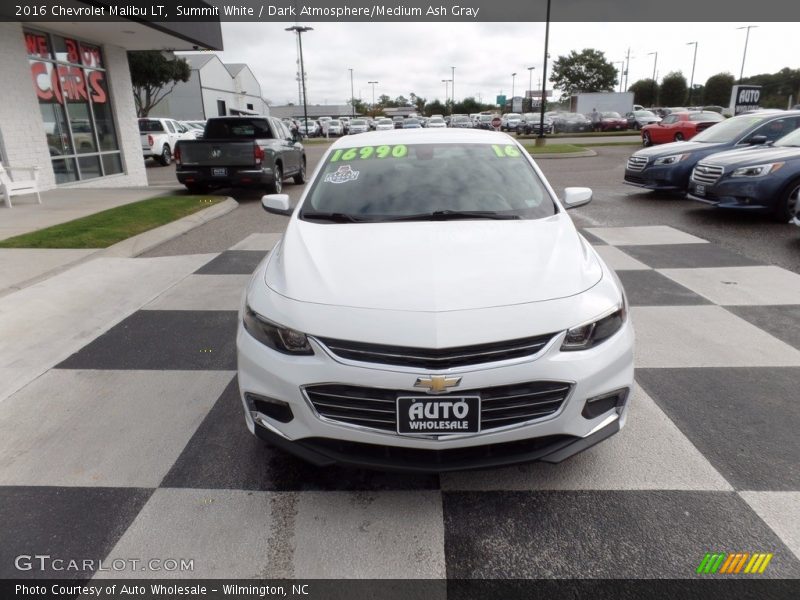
(300, 31)
(530, 84)
(744, 56)
(352, 95)
(627, 67)
(654, 93)
(540, 137)
(446, 83)
(372, 83)
(453, 88)
(694, 61)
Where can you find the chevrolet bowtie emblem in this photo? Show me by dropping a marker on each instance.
(436, 384)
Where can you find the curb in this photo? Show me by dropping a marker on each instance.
(580, 154)
(138, 244)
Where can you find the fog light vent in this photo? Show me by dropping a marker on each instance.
(275, 409)
(599, 405)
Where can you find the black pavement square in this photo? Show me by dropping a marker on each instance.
(66, 523)
(688, 256)
(592, 238)
(651, 288)
(782, 321)
(744, 420)
(601, 534)
(163, 339)
(233, 262)
(223, 454)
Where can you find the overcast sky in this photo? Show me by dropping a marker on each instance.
(415, 57)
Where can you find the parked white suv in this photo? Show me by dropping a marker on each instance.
(159, 136)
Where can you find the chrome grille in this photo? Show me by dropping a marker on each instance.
(437, 358)
(376, 408)
(637, 163)
(707, 174)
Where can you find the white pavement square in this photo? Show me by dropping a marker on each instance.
(258, 241)
(201, 292)
(618, 260)
(226, 533)
(781, 511)
(644, 236)
(650, 453)
(392, 535)
(103, 428)
(18, 265)
(704, 336)
(732, 286)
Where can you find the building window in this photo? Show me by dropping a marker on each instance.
(69, 78)
(221, 108)
(249, 107)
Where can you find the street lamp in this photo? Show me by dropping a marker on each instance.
(530, 83)
(352, 95)
(300, 31)
(513, 79)
(746, 39)
(654, 94)
(621, 63)
(446, 83)
(540, 139)
(694, 61)
(372, 83)
(453, 88)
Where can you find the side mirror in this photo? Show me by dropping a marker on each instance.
(577, 196)
(277, 204)
(757, 140)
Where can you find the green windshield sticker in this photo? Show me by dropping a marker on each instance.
(368, 152)
(506, 151)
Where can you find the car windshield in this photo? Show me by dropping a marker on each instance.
(513, 116)
(644, 113)
(415, 122)
(358, 122)
(425, 182)
(706, 116)
(730, 130)
(486, 117)
(460, 119)
(792, 139)
(611, 115)
(150, 126)
(436, 120)
(334, 122)
(237, 127)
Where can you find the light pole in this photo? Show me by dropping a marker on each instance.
(300, 31)
(530, 84)
(744, 56)
(654, 94)
(372, 83)
(453, 88)
(540, 137)
(694, 61)
(446, 83)
(352, 95)
(513, 79)
(621, 72)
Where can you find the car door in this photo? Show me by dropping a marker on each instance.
(289, 155)
(666, 129)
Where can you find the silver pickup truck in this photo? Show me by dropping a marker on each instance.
(241, 152)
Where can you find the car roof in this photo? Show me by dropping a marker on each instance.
(422, 136)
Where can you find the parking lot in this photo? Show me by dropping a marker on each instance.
(155, 459)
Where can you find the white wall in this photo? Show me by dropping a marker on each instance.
(184, 102)
(22, 128)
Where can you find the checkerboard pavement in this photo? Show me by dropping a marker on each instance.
(135, 446)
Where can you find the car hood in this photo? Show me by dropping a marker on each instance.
(677, 148)
(753, 155)
(432, 265)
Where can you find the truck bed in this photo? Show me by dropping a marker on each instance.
(217, 153)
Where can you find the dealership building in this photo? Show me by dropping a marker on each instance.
(67, 105)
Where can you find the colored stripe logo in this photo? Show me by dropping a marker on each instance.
(734, 563)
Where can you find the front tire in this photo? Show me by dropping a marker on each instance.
(678, 137)
(166, 156)
(300, 178)
(789, 205)
(276, 187)
(646, 140)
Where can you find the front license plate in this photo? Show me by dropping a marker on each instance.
(219, 172)
(438, 415)
(700, 189)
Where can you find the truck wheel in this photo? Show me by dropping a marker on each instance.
(276, 187)
(788, 205)
(166, 156)
(300, 178)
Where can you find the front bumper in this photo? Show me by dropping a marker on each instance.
(760, 195)
(594, 372)
(659, 177)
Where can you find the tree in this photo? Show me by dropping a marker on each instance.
(587, 71)
(420, 104)
(435, 108)
(401, 101)
(359, 106)
(154, 77)
(385, 102)
(468, 106)
(673, 89)
(718, 89)
(644, 92)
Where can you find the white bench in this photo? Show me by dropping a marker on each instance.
(10, 187)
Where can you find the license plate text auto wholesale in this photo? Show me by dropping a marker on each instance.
(443, 415)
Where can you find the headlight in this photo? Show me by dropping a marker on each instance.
(671, 159)
(282, 339)
(590, 334)
(757, 170)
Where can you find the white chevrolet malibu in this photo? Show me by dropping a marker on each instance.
(431, 307)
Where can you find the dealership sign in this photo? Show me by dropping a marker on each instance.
(744, 98)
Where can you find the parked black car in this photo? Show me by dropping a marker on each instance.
(639, 118)
(241, 151)
(765, 178)
(530, 124)
(571, 123)
(668, 166)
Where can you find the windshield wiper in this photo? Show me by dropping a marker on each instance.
(333, 217)
(447, 215)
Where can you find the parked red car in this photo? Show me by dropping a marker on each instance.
(612, 121)
(679, 126)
